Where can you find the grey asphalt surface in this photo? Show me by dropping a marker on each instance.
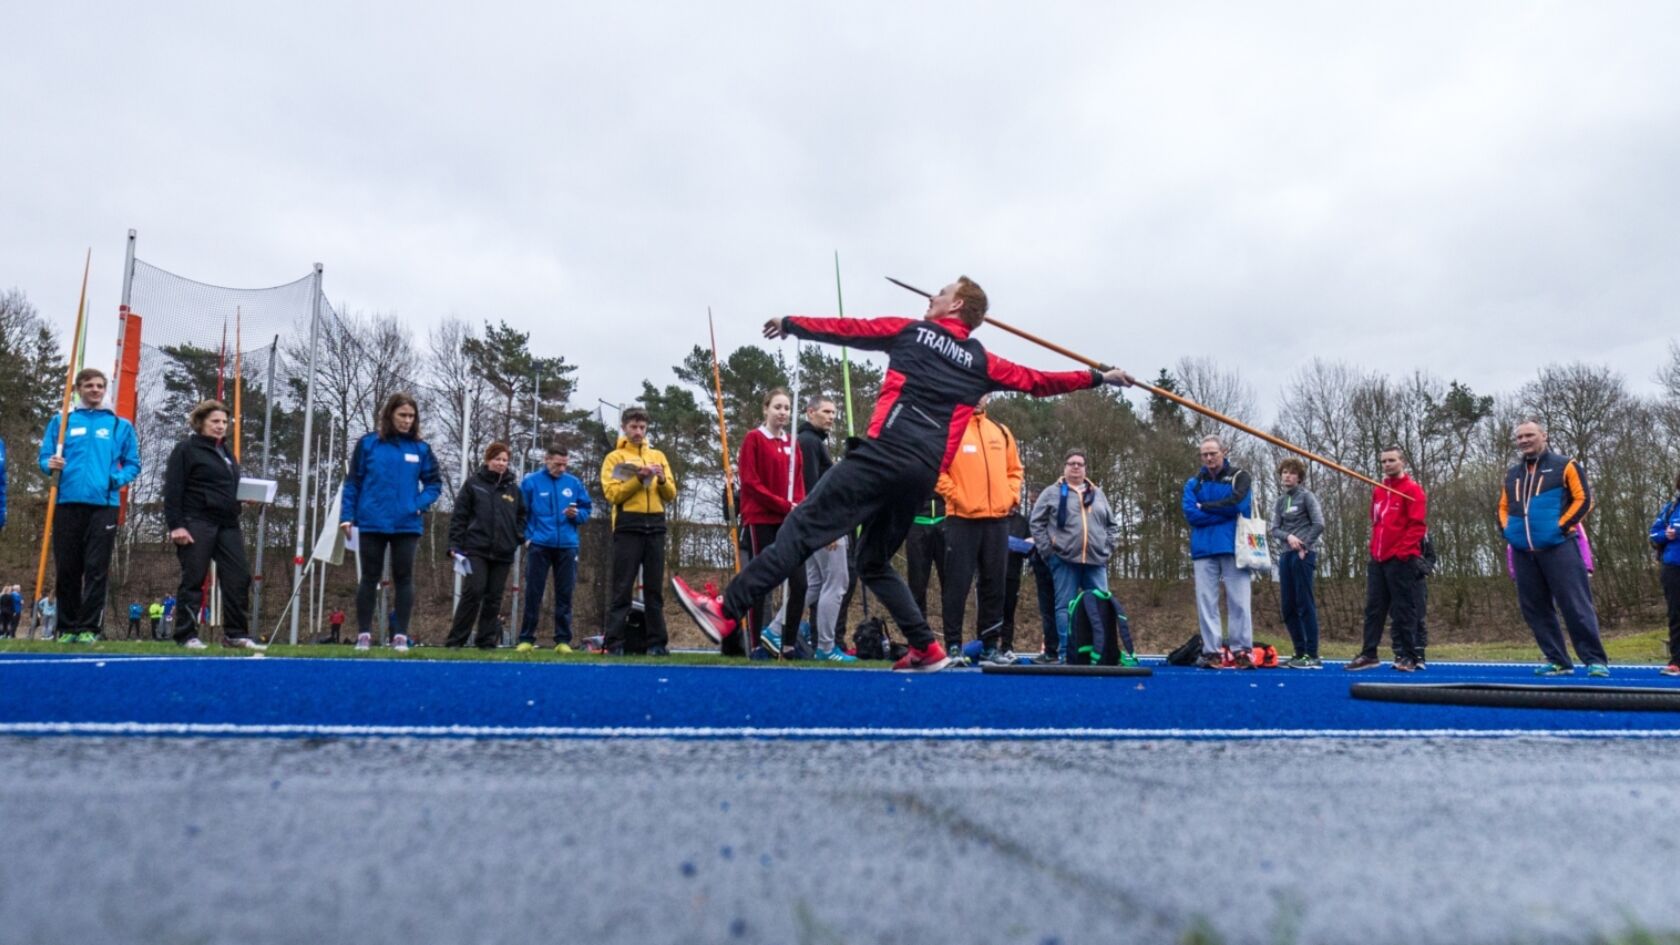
(372, 841)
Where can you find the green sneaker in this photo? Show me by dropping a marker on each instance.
(564, 649)
(1598, 669)
(523, 647)
(85, 637)
(1554, 669)
(67, 638)
(1127, 659)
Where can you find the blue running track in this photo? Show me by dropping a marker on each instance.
(89, 694)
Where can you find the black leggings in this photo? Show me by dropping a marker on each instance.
(1671, 596)
(760, 538)
(372, 556)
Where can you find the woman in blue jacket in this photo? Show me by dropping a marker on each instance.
(393, 478)
(1665, 537)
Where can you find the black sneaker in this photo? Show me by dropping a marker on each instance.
(1362, 662)
(658, 651)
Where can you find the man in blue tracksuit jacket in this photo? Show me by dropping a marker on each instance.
(556, 503)
(101, 455)
(1213, 499)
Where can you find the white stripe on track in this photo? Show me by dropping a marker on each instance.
(101, 660)
(144, 729)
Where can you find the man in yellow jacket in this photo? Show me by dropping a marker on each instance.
(980, 488)
(637, 482)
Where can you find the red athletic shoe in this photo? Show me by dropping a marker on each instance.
(926, 660)
(707, 611)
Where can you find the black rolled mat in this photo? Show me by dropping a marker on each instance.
(1057, 669)
(1525, 696)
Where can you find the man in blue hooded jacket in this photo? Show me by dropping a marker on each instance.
(556, 503)
(100, 456)
(1213, 500)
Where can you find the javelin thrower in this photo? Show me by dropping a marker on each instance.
(936, 372)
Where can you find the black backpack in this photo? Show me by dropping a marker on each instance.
(1428, 560)
(1187, 652)
(1099, 630)
(870, 639)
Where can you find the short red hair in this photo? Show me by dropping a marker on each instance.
(973, 299)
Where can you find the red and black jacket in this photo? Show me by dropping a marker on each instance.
(935, 375)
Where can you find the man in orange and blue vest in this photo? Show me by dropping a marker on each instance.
(1545, 499)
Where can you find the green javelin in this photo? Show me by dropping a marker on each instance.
(845, 359)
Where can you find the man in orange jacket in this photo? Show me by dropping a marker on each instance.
(980, 488)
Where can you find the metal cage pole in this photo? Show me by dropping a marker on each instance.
(325, 475)
(257, 582)
(308, 431)
(467, 398)
(511, 632)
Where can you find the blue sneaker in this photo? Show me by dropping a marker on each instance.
(835, 655)
(1599, 670)
(771, 639)
(1554, 669)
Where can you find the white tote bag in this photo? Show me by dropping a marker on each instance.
(1253, 550)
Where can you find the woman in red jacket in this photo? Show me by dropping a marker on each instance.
(768, 455)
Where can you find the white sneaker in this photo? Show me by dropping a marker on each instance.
(399, 643)
(364, 642)
(243, 643)
(194, 643)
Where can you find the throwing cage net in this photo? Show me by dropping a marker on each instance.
(182, 341)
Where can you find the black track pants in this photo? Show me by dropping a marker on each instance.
(924, 555)
(760, 538)
(223, 545)
(638, 550)
(83, 536)
(976, 552)
(481, 603)
(1391, 592)
(878, 486)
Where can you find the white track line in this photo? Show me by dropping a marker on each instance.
(101, 660)
(734, 733)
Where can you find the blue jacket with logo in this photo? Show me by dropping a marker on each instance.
(101, 456)
(2, 483)
(546, 498)
(1212, 503)
(389, 484)
(1670, 516)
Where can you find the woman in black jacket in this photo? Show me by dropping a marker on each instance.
(486, 528)
(201, 511)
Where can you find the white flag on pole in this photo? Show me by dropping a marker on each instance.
(329, 547)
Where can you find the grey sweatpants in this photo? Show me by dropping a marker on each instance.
(1213, 574)
(826, 578)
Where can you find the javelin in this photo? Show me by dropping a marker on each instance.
(723, 437)
(1175, 398)
(845, 359)
(63, 423)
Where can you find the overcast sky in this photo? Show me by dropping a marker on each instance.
(1473, 189)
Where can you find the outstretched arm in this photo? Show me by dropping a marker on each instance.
(870, 334)
(1007, 375)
